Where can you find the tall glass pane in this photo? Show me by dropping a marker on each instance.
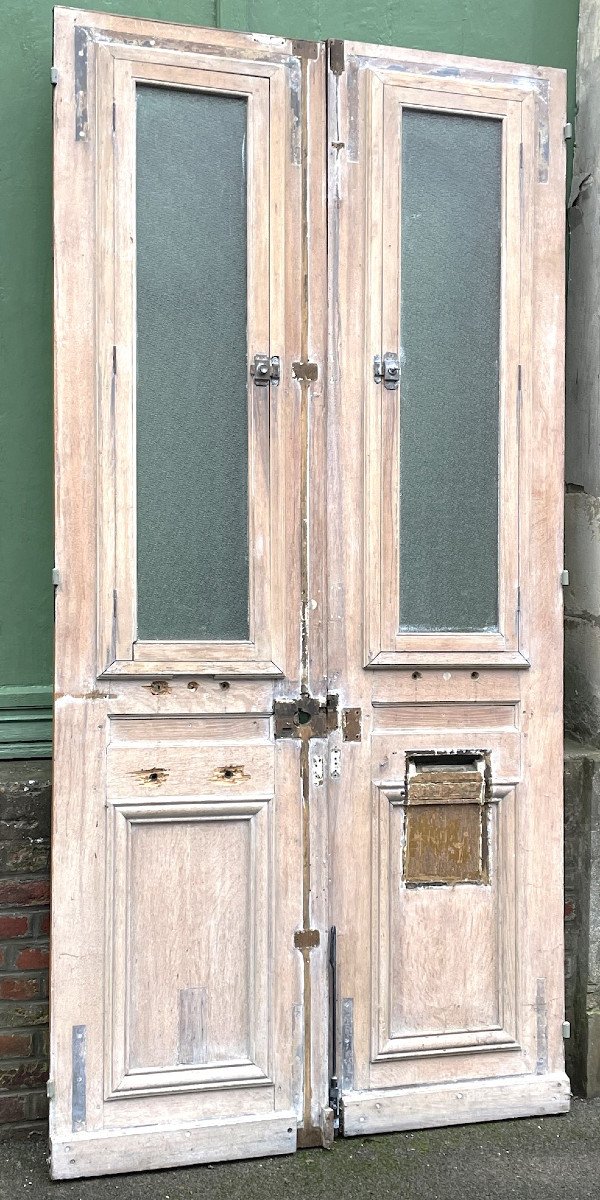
(191, 411)
(449, 393)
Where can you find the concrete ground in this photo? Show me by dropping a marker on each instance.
(537, 1159)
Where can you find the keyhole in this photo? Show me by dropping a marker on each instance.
(303, 716)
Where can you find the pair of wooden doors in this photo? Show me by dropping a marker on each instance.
(307, 818)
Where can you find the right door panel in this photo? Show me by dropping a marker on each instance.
(444, 560)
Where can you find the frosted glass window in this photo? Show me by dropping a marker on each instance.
(449, 394)
(191, 404)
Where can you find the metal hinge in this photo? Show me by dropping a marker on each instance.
(50, 1089)
(305, 717)
(54, 76)
(566, 1030)
(564, 577)
(336, 57)
(386, 370)
(265, 370)
(568, 131)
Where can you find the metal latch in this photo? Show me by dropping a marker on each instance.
(387, 370)
(305, 717)
(265, 370)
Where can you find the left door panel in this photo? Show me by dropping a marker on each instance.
(177, 861)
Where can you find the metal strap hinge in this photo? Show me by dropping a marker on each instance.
(564, 577)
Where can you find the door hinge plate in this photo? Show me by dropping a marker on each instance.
(351, 724)
(306, 717)
(307, 939)
(336, 57)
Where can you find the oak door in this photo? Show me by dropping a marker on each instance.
(444, 573)
(178, 1032)
(307, 824)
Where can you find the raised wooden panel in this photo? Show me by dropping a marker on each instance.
(445, 715)
(444, 953)
(188, 728)
(160, 769)
(189, 998)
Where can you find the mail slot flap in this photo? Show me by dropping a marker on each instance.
(445, 780)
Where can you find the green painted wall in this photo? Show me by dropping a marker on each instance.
(533, 31)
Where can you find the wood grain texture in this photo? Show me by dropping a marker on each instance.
(395, 955)
(171, 910)
(455, 1104)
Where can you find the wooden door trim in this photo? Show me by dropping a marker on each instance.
(384, 644)
(118, 643)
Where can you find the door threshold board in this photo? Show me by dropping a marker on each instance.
(148, 1148)
(461, 1103)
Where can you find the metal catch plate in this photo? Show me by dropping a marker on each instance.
(386, 370)
(265, 370)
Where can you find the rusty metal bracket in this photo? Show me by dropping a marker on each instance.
(351, 724)
(307, 939)
(336, 57)
(304, 49)
(305, 717)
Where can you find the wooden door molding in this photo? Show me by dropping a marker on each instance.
(390, 94)
(274, 200)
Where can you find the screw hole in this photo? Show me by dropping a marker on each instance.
(474, 674)
(416, 674)
(228, 773)
(153, 776)
(224, 684)
(193, 686)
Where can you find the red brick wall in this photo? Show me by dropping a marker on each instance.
(24, 919)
